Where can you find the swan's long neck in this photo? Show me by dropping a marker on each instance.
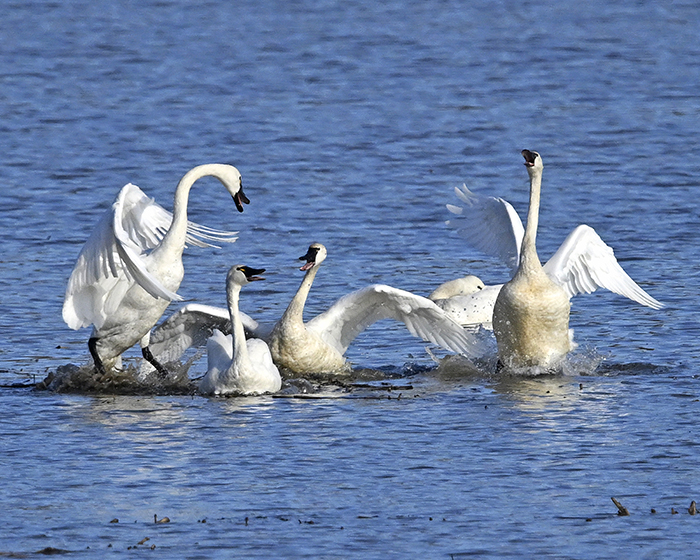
(295, 310)
(528, 250)
(175, 238)
(240, 348)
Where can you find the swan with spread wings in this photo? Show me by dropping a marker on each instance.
(130, 268)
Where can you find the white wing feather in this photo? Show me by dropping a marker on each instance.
(584, 263)
(219, 356)
(112, 259)
(353, 313)
(490, 225)
(191, 326)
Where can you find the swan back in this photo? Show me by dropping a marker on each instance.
(458, 287)
(472, 310)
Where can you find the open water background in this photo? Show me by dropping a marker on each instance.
(351, 122)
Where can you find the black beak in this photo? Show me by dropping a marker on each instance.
(309, 257)
(529, 157)
(240, 198)
(251, 274)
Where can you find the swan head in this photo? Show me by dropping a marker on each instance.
(314, 256)
(241, 275)
(464, 286)
(229, 176)
(533, 161)
(239, 197)
(231, 179)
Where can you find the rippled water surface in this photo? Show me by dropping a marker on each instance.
(351, 122)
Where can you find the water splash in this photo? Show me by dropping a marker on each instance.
(85, 379)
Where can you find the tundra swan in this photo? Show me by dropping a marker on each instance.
(465, 286)
(131, 266)
(582, 264)
(531, 313)
(234, 364)
(319, 345)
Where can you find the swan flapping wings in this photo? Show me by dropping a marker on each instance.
(353, 313)
(112, 259)
(582, 264)
(490, 225)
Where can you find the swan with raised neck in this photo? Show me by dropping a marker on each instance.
(234, 364)
(292, 345)
(531, 313)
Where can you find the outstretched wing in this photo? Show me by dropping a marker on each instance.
(585, 263)
(112, 259)
(490, 225)
(353, 313)
(191, 326)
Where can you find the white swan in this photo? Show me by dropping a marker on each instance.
(531, 313)
(332, 331)
(582, 263)
(121, 288)
(190, 327)
(234, 364)
(319, 345)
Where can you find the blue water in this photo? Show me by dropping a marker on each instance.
(351, 122)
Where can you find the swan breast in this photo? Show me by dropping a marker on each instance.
(531, 322)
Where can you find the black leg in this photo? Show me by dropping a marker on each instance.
(148, 355)
(92, 346)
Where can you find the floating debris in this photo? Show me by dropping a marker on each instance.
(50, 550)
(621, 510)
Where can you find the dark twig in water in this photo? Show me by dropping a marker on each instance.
(621, 510)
